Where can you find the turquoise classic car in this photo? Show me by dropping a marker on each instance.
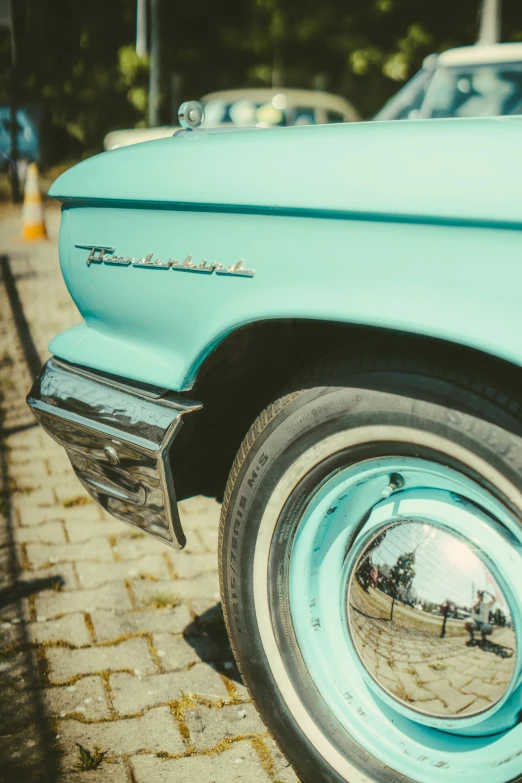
(320, 326)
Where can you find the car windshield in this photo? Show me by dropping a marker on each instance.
(245, 113)
(405, 105)
(475, 91)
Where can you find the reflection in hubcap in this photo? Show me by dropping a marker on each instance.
(430, 623)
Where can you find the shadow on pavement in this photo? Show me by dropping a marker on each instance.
(28, 749)
(31, 355)
(13, 593)
(492, 647)
(207, 635)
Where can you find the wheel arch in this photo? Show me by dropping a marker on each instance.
(250, 366)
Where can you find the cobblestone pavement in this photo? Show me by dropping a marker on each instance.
(109, 640)
(447, 676)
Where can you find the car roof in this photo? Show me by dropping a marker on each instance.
(482, 54)
(314, 98)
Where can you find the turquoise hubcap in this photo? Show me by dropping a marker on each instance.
(405, 591)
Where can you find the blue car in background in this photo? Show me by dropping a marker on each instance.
(28, 136)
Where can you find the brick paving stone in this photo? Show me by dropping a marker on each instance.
(131, 546)
(202, 605)
(199, 512)
(154, 731)
(113, 595)
(132, 654)
(204, 585)
(78, 530)
(241, 690)
(502, 677)
(282, 770)
(456, 679)
(95, 574)
(87, 515)
(114, 771)
(59, 472)
(187, 566)
(28, 442)
(414, 690)
(131, 694)
(209, 539)
(426, 674)
(86, 697)
(177, 653)
(208, 726)
(30, 477)
(109, 624)
(71, 629)
(194, 546)
(48, 532)
(452, 698)
(32, 515)
(491, 693)
(238, 764)
(95, 549)
(69, 489)
(384, 670)
(63, 573)
(473, 671)
(28, 506)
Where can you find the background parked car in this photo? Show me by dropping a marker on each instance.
(262, 107)
(471, 81)
(27, 136)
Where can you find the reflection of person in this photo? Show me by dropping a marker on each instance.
(479, 620)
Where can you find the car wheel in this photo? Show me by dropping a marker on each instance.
(371, 572)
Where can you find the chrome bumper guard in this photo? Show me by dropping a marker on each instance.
(118, 437)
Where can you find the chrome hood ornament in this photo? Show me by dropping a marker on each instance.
(107, 255)
(191, 114)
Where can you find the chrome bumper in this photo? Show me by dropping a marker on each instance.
(118, 437)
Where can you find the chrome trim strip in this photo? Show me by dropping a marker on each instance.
(117, 437)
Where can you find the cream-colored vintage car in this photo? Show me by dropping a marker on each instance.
(261, 107)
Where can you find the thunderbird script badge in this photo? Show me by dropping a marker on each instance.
(107, 255)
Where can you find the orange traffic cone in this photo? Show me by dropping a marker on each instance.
(33, 226)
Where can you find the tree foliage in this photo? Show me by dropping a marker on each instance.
(78, 58)
(403, 572)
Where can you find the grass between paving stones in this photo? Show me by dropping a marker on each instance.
(162, 601)
(80, 500)
(89, 759)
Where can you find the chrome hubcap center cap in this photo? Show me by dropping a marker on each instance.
(430, 622)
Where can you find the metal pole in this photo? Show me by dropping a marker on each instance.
(13, 167)
(154, 73)
(175, 92)
(141, 28)
(277, 65)
(490, 22)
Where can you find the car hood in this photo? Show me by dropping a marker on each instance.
(121, 138)
(428, 169)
